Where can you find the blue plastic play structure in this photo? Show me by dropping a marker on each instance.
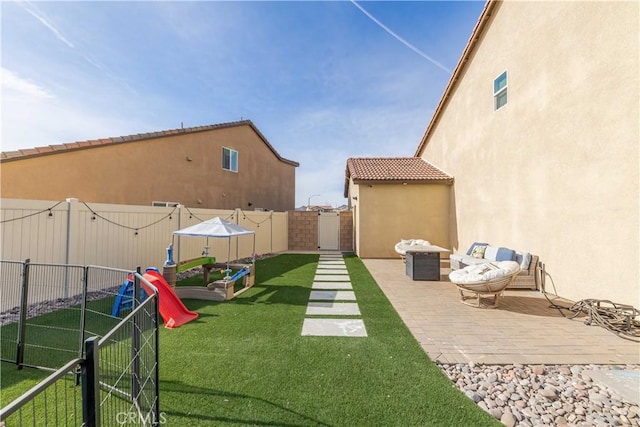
(124, 300)
(240, 273)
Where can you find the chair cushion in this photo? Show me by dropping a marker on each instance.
(491, 252)
(474, 261)
(524, 259)
(484, 272)
(470, 250)
(410, 244)
(478, 251)
(506, 254)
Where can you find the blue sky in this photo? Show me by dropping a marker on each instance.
(323, 81)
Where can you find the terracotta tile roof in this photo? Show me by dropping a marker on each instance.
(83, 145)
(404, 169)
(393, 169)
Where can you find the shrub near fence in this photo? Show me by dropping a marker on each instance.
(124, 236)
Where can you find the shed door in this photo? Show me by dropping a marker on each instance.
(329, 231)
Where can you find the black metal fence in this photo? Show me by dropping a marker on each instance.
(56, 401)
(47, 310)
(114, 382)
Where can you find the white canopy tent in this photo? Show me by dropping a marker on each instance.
(217, 228)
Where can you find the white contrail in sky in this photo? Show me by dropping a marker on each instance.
(400, 39)
(33, 11)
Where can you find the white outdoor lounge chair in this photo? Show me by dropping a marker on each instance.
(484, 280)
(410, 244)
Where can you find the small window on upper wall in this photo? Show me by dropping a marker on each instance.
(500, 91)
(229, 159)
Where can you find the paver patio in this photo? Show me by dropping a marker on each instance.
(523, 329)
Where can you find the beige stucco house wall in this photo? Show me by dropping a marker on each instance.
(386, 213)
(182, 165)
(397, 198)
(556, 170)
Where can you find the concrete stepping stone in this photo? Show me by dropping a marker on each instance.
(331, 267)
(331, 262)
(625, 382)
(331, 278)
(332, 296)
(333, 271)
(331, 285)
(330, 256)
(333, 309)
(334, 328)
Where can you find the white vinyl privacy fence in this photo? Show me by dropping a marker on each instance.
(125, 236)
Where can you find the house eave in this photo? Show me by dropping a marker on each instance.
(463, 62)
(50, 150)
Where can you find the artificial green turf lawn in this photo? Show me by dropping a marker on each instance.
(244, 362)
(52, 339)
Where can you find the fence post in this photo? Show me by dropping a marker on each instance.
(135, 340)
(156, 324)
(72, 238)
(24, 298)
(71, 255)
(83, 310)
(91, 384)
(177, 245)
(237, 213)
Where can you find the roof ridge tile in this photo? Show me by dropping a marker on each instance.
(91, 143)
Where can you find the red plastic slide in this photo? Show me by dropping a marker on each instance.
(172, 310)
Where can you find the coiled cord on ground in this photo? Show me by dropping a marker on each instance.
(620, 319)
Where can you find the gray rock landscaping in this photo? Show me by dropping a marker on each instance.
(545, 395)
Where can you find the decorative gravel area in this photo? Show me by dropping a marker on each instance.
(43, 307)
(544, 395)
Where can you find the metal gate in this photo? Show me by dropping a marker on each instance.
(328, 231)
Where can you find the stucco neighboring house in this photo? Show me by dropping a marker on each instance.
(223, 166)
(397, 198)
(539, 125)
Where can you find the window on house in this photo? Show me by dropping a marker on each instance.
(229, 159)
(164, 204)
(500, 91)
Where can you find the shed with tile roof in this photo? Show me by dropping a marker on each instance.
(185, 165)
(397, 198)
